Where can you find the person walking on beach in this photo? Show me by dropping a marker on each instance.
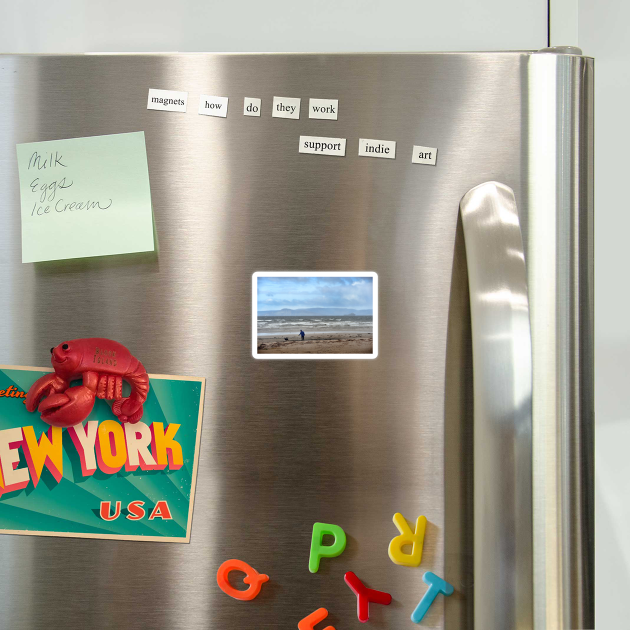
(302, 334)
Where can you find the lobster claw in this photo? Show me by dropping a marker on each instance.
(68, 408)
(127, 410)
(43, 386)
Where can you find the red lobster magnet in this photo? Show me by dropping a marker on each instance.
(103, 364)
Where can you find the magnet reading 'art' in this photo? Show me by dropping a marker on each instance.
(309, 623)
(252, 577)
(407, 537)
(102, 364)
(319, 551)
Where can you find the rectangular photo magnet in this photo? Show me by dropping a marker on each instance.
(315, 315)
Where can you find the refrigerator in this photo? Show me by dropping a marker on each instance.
(476, 408)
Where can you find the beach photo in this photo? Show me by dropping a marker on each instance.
(314, 315)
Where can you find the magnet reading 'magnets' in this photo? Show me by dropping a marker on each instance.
(103, 364)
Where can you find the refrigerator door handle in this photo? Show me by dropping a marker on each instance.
(502, 374)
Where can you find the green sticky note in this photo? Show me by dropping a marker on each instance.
(85, 197)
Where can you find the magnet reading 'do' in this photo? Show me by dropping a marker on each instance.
(102, 364)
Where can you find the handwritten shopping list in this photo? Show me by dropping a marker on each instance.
(85, 197)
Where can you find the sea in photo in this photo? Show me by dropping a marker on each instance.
(315, 315)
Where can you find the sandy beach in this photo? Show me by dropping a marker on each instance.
(317, 343)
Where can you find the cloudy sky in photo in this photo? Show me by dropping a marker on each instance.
(318, 292)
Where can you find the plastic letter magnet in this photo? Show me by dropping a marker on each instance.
(365, 596)
(407, 537)
(436, 586)
(252, 577)
(308, 623)
(319, 551)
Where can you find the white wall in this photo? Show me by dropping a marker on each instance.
(604, 27)
(270, 25)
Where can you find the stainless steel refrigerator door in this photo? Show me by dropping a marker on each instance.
(285, 443)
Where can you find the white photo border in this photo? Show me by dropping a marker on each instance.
(314, 274)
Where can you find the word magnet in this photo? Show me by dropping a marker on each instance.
(167, 100)
(252, 577)
(424, 155)
(319, 550)
(251, 106)
(377, 148)
(365, 595)
(323, 108)
(322, 146)
(436, 586)
(213, 106)
(407, 537)
(285, 107)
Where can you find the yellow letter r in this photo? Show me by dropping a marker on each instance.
(407, 537)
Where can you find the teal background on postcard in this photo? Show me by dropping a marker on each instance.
(72, 505)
